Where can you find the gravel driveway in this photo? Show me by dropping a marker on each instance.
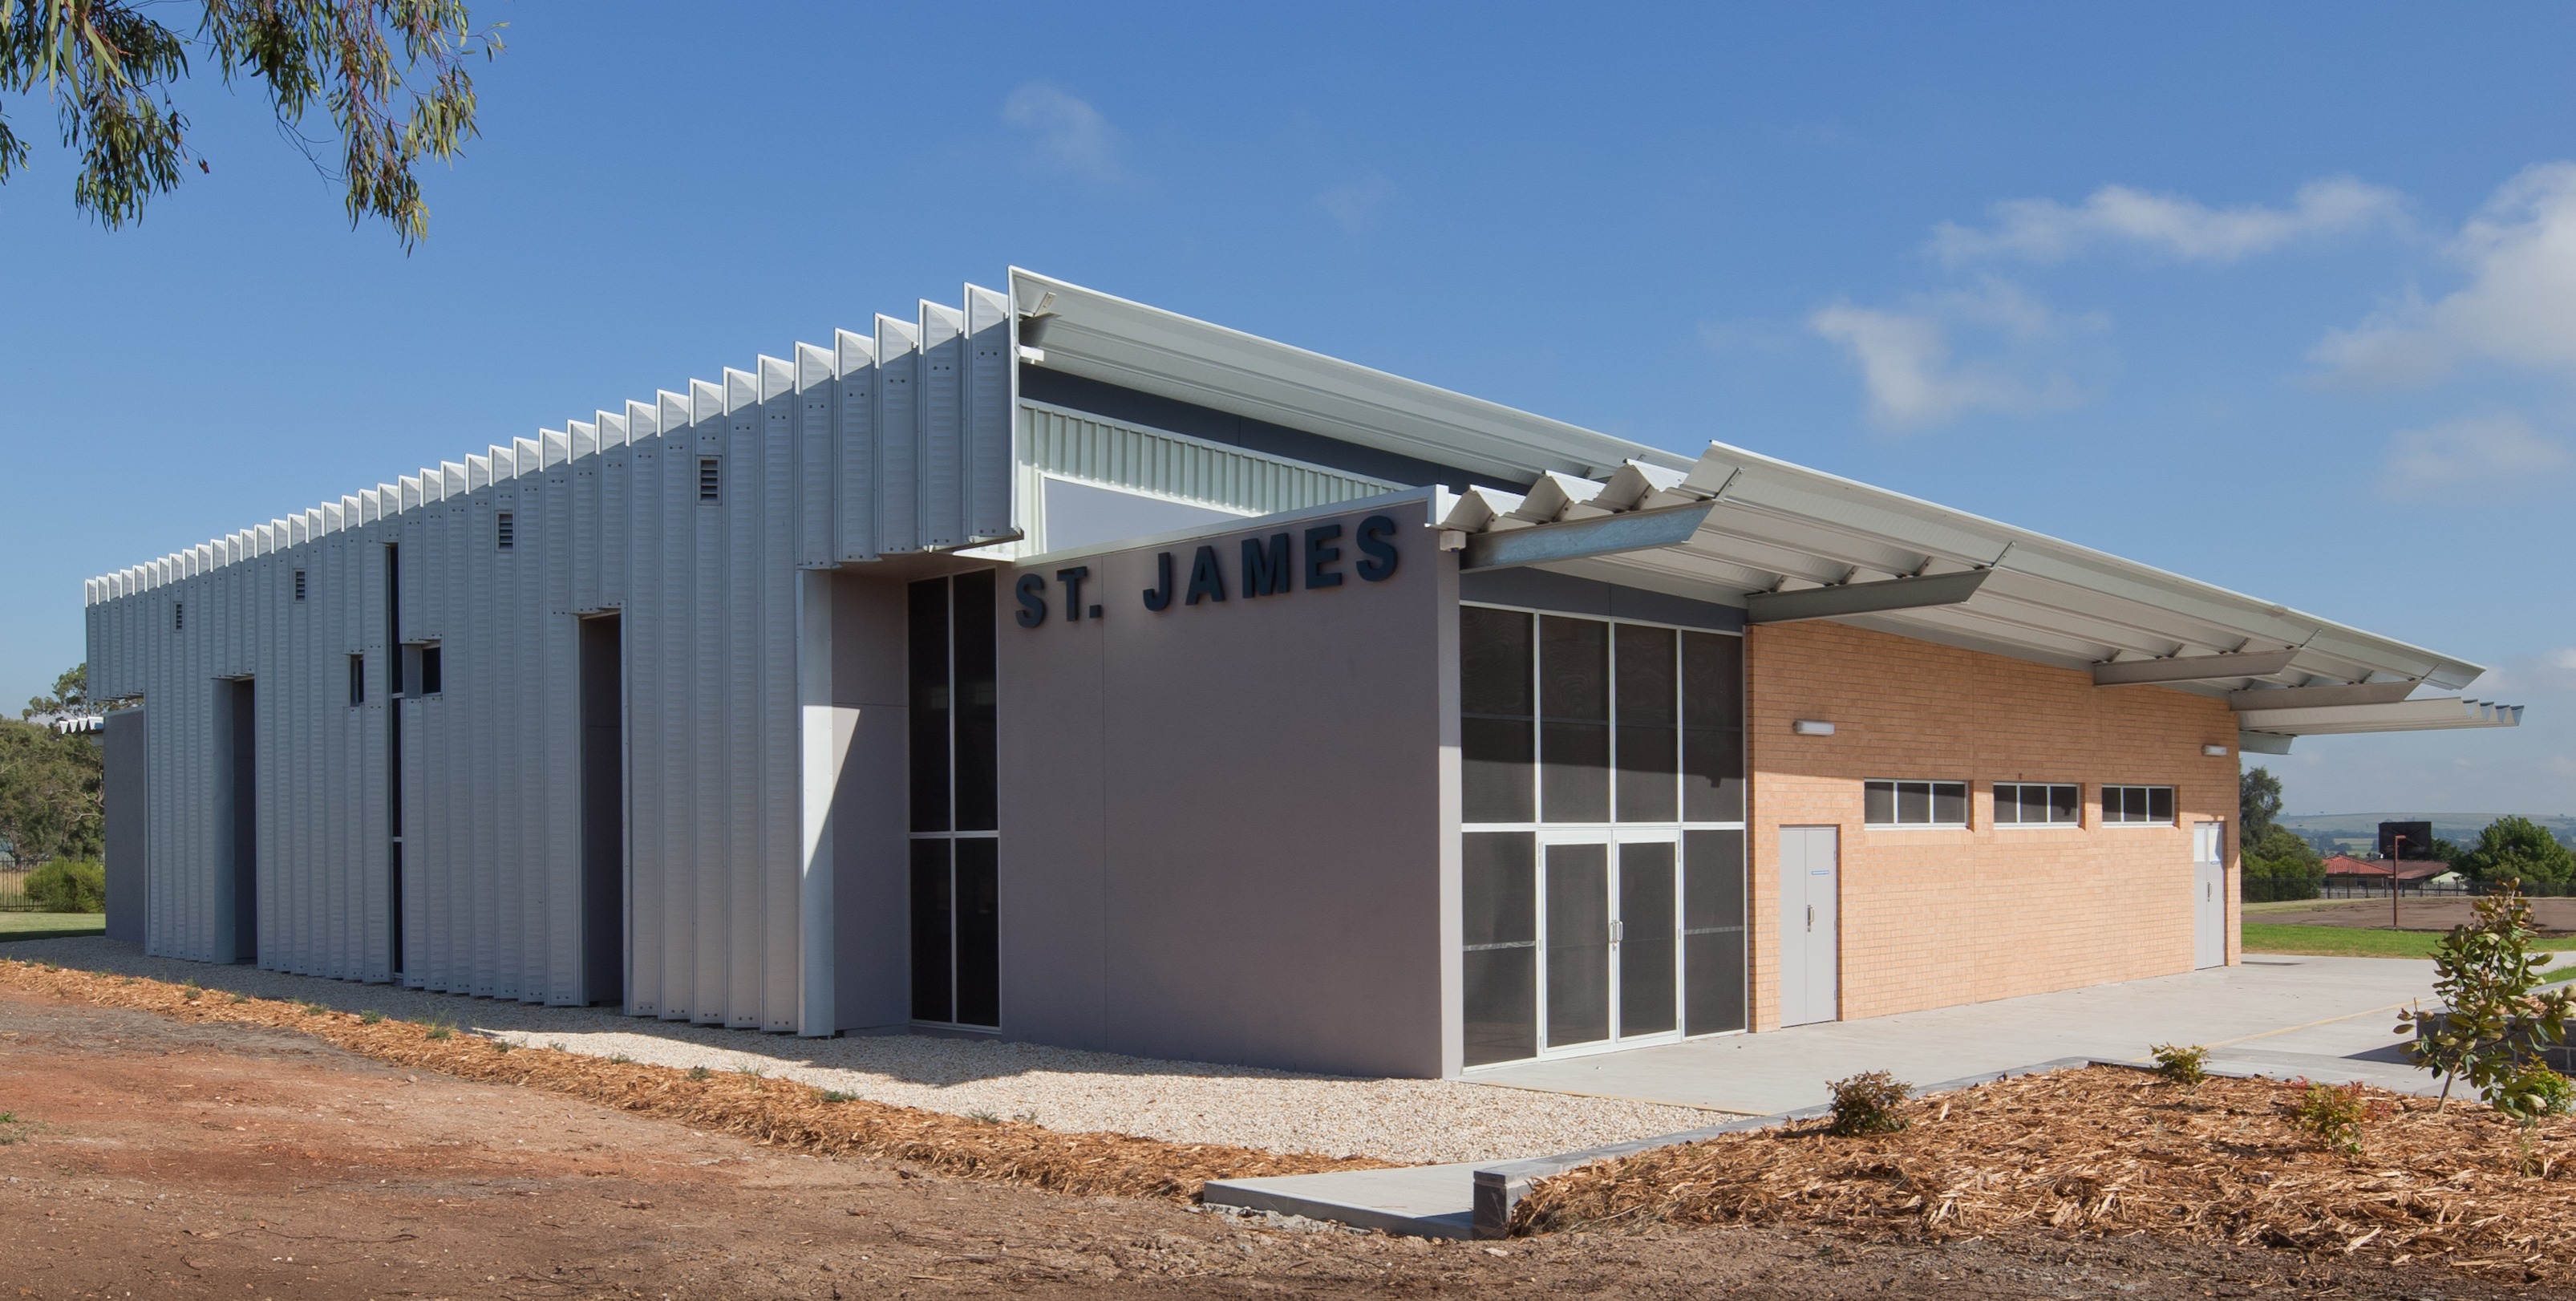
(1063, 1088)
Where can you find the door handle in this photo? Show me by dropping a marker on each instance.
(1618, 930)
(1811, 918)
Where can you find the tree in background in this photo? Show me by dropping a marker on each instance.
(71, 690)
(50, 784)
(2519, 848)
(2258, 801)
(392, 73)
(2278, 863)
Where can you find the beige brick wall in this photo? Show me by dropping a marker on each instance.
(1935, 918)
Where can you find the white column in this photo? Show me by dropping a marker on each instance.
(823, 732)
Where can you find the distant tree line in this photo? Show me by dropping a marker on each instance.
(51, 784)
(2281, 864)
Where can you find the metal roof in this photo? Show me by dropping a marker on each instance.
(1781, 540)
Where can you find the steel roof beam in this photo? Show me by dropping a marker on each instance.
(1600, 536)
(2193, 668)
(1863, 598)
(2357, 693)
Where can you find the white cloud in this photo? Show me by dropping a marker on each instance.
(1354, 203)
(2470, 456)
(1905, 356)
(2519, 306)
(2044, 230)
(1071, 134)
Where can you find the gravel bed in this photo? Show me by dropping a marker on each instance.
(1062, 1088)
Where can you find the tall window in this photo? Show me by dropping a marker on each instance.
(1598, 757)
(956, 917)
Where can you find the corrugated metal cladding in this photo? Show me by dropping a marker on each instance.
(1071, 445)
(690, 516)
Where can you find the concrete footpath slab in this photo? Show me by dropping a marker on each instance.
(2325, 1009)
(2327, 1019)
(1424, 1201)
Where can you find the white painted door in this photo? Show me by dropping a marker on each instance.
(1810, 887)
(2209, 894)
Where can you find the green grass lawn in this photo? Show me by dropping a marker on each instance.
(2357, 942)
(46, 926)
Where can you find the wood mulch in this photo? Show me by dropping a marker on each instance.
(2106, 1151)
(775, 1113)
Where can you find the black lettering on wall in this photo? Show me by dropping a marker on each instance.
(1377, 542)
(1319, 557)
(1159, 596)
(1031, 590)
(1265, 567)
(1206, 579)
(1072, 580)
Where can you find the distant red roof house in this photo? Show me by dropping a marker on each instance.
(2347, 868)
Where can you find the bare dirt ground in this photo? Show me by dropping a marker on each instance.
(157, 1158)
(2553, 916)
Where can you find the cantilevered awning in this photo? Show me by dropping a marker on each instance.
(1779, 540)
(1786, 542)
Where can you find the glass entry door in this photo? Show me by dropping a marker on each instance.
(1609, 938)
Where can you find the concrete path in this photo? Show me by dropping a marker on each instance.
(2331, 1014)
(2277, 1015)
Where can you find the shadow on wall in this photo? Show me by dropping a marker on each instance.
(907, 1058)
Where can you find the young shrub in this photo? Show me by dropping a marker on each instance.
(2186, 1066)
(1866, 1104)
(620, 1059)
(834, 1095)
(370, 1017)
(68, 885)
(2486, 974)
(2334, 1114)
(440, 1030)
(701, 1073)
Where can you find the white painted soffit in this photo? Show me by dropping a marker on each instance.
(1099, 336)
(1777, 527)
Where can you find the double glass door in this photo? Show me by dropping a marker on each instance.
(1609, 925)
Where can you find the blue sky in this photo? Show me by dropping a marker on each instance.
(2280, 297)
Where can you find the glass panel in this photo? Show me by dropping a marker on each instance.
(1712, 931)
(1648, 746)
(2133, 804)
(1493, 662)
(1496, 780)
(1646, 939)
(1950, 803)
(1574, 741)
(2160, 804)
(1575, 779)
(979, 933)
(928, 660)
(1499, 894)
(2007, 805)
(1646, 667)
(1574, 669)
(1647, 792)
(1712, 680)
(2065, 803)
(977, 722)
(1913, 803)
(1878, 804)
(1578, 944)
(931, 920)
(1712, 775)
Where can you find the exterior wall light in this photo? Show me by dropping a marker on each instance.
(2214, 750)
(1812, 727)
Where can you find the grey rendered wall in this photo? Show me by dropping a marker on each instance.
(126, 832)
(1222, 825)
(868, 810)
